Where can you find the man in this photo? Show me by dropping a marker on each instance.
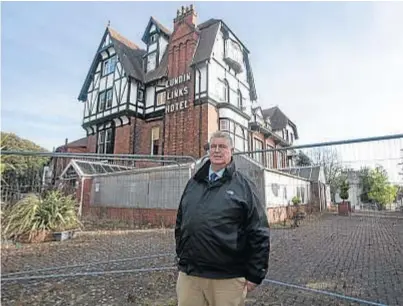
(222, 233)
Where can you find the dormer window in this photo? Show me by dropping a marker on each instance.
(109, 65)
(233, 55)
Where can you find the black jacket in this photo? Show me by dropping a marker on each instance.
(222, 229)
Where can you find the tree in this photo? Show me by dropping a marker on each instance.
(329, 159)
(365, 183)
(344, 188)
(381, 191)
(20, 173)
(303, 159)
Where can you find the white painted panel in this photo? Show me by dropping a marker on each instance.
(104, 55)
(214, 87)
(107, 41)
(109, 81)
(150, 92)
(124, 91)
(122, 107)
(287, 188)
(115, 91)
(102, 84)
(98, 67)
(229, 113)
(111, 51)
(152, 47)
(203, 83)
(118, 70)
(163, 44)
(132, 107)
(133, 92)
(152, 29)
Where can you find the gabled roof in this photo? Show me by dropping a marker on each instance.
(208, 33)
(79, 143)
(130, 55)
(159, 27)
(278, 119)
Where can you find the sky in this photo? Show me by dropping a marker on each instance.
(334, 68)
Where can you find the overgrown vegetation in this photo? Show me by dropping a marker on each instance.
(20, 174)
(35, 215)
(378, 187)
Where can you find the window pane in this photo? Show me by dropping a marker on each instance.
(109, 135)
(155, 147)
(224, 124)
(101, 137)
(155, 133)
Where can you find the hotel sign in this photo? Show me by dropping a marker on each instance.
(177, 89)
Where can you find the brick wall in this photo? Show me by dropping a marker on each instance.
(184, 133)
(92, 144)
(124, 139)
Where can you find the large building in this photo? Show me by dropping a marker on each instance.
(169, 95)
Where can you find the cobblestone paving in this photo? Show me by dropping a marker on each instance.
(359, 256)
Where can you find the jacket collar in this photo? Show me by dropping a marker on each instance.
(203, 172)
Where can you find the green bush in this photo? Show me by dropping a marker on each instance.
(296, 200)
(32, 215)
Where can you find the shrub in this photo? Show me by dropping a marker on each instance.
(296, 200)
(34, 215)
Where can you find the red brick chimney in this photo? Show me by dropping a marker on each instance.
(183, 129)
(185, 15)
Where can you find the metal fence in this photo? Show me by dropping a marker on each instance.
(335, 211)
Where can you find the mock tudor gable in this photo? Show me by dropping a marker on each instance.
(168, 95)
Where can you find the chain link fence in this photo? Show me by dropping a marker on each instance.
(335, 211)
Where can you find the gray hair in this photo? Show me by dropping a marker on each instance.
(222, 134)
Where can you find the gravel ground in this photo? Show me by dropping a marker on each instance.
(359, 256)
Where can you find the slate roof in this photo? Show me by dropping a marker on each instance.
(208, 32)
(278, 119)
(79, 143)
(310, 172)
(131, 56)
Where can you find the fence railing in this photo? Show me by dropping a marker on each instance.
(335, 210)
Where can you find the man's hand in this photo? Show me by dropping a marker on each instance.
(250, 286)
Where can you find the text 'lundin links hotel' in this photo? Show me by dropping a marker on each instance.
(167, 96)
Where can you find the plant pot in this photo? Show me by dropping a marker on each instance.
(344, 208)
(63, 235)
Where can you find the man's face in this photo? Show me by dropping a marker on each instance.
(220, 152)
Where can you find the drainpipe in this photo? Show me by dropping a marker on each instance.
(80, 208)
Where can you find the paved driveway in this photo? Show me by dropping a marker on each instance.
(359, 256)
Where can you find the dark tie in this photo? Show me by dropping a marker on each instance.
(213, 177)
